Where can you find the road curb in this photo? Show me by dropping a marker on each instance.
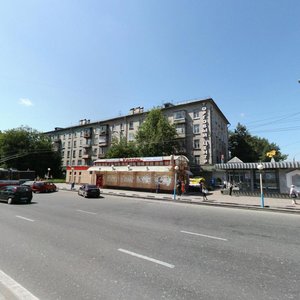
(197, 202)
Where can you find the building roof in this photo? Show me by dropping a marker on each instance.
(87, 123)
(252, 166)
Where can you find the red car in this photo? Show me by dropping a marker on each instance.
(41, 186)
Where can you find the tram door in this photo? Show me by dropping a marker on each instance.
(99, 180)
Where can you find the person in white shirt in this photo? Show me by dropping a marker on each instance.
(293, 194)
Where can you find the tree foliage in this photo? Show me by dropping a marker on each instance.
(122, 148)
(24, 148)
(250, 148)
(155, 137)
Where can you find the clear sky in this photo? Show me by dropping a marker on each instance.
(66, 60)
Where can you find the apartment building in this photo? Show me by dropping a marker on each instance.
(201, 126)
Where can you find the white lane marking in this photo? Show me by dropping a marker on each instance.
(25, 218)
(204, 235)
(15, 288)
(86, 212)
(148, 258)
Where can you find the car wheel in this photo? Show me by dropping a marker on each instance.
(29, 201)
(10, 200)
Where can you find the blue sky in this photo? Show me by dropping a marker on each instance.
(66, 60)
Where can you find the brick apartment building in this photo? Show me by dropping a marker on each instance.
(201, 126)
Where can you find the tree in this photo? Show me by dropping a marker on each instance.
(25, 148)
(250, 148)
(122, 148)
(156, 136)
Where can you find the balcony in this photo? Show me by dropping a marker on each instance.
(103, 141)
(104, 130)
(181, 150)
(102, 155)
(181, 135)
(87, 145)
(180, 120)
(86, 156)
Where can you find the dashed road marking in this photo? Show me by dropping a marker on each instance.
(27, 219)
(147, 258)
(86, 212)
(204, 235)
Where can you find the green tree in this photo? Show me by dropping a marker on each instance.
(156, 136)
(25, 148)
(122, 148)
(250, 148)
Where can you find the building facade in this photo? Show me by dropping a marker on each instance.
(202, 131)
(277, 177)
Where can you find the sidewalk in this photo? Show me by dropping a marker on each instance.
(215, 198)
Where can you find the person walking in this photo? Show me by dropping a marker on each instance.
(178, 185)
(293, 194)
(204, 192)
(230, 188)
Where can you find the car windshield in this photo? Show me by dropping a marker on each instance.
(91, 186)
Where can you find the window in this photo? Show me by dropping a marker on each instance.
(75, 144)
(196, 128)
(130, 137)
(180, 128)
(79, 162)
(179, 115)
(69, 144)
(80, 153)
(131, 125)
(95, 150)
(68, 154)
(197, 144)
(197, 159)
(196, 114)
(74, 153)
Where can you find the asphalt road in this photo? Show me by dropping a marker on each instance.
(64, 246)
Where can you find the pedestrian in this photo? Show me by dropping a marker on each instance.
(182, 187)
(158, 185)
(204, 192)
(200, 186)
(178, 185)
(72, 185)
(230, 188)
(293, 194)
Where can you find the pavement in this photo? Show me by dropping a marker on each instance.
(214, 198)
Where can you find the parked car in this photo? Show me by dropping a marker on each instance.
(41, 186)
(89, 190)
(16, 194)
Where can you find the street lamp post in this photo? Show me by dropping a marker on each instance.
(175, 181)
(49, 169)
(260, 167)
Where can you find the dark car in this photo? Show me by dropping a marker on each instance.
(16, 194)
(89, 190)
(41, 186)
